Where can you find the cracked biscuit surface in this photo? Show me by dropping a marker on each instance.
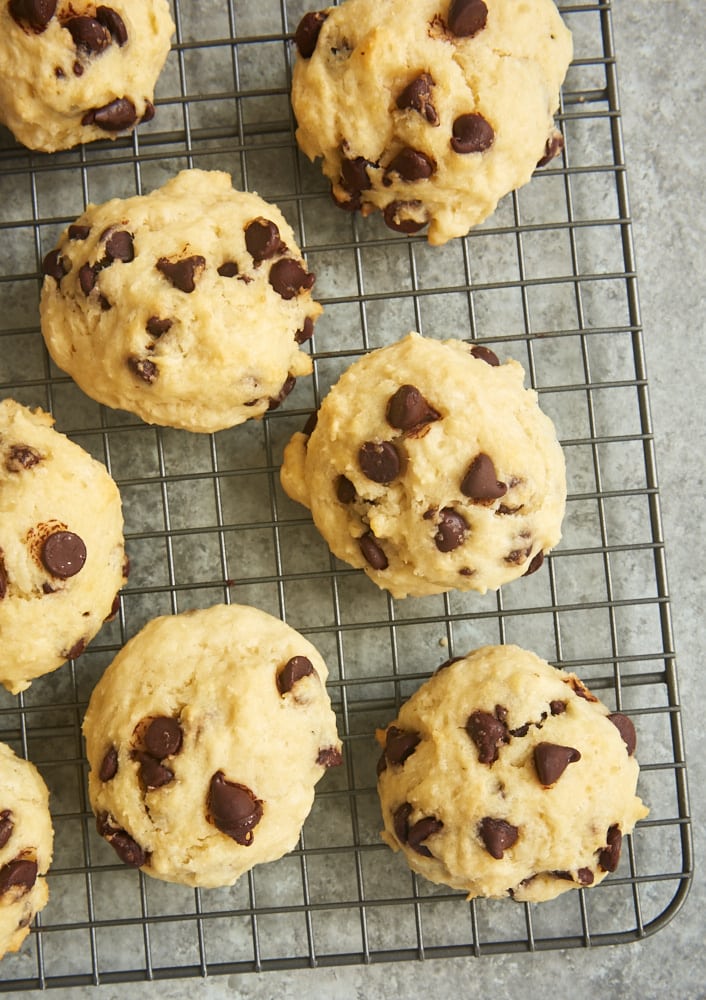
(430, 111)
(505, 776)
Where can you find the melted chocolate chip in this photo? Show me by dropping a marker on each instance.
(400, 821)
(306, 332)
(400, 744)
(345, 490)
(288, 278)
(262, 239)
(329, 757)
(488, 733)
(111, 20)
(287, 387)
(557, 707)
(77, 232)
(451, 530)
(64, 554)
(182, 273)
(35, 14)
(411, 165)
(408, 409)
(127, 849)
(75, 651)
(163, 737)
(144, 368)
(396, 218)
(157, 327)
(610, 856)
(21, 457)
(417, 97)
(551, 760)
(87, 276)
(293, 671)
(498, 836)
(109, 764)
(536, 563)
(113, 117)
(471, 134)
(626, 729)
(228, 269)
(379, 461)
(419, 831)
(55, 265)
(307, 33)
(152, 773)
(311, 422)
(149, 112)
(354, 174)
(580, 689)
(585, 876)
(554, 146)
(481, 481)
(7, 825)
(18, 874)
(89, 35)
(233, 808)
(467, 17)
(372, 552)
(119, 246)
(485, 354)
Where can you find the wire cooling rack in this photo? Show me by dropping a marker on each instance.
(550, 280)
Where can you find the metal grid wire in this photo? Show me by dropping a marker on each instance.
(550, 280)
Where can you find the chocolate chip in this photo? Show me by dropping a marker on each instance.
(471, 134)
(229, 269)
(400, 821)
(557, 707)
(77, 232)
(152, 773)
(447, 663)
(481, 481)
(111, 20)
(488, 733)
(311, 422)
(20, 457)
(55, 266)
(626, 729)
(288, 278)
(400, 744)
(536, 563)
(109, 764)
(144, 368)
(417, 96)
(498, 835)
(408, 409)
(554, 146)
(182, 273)
(127, 849)
(113, 117)
(88, 34)
(420, 831)
(287, 387)
(585, 876)
(307, 33)
(262, 239)
(306, 332)
(396, 218)
(354, 174)
(329, 757)
(163, 737)
(119, 246)
(580, 689)
(551, 760)
(345, 490)
(157, 327)
(78, 70)
(411, 165)
(379, 461)
(6, 826)
(351, 204)
(75, 651)
(610, 856)
(372, 553)
(450, 531)
(467, 17)
(36, 14)
(485, 354)
(293, 671)
(64, 554)
(149, 112)
(87, 276)
(233, 808)
(20, 873)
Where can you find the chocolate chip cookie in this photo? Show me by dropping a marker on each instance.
(504, 776)
(429, 111)
(26, 844)
(62, 553)
(205, 738)
(432, 468)
(75, 71)
(186, 306)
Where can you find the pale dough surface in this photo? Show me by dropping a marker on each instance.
(28, 836)
(215, 672)
(345, 98)
(482, 410)
(201, 359)
(51, 83)
(49, 486)
(561, 830)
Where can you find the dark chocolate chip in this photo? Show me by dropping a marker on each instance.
(329, 757)
(481, 481)
(419, 831)
(307, 33)
(471, 133)
(517, 556)
(75, 651)
(288, 278)
(119, 246)
(306, 332)
(78, 71)
(127, 849)
(498, 835)
(488, 733)
(552, 759)
(262, 239)
(485, 354)
(77, 232)
(311, 422)
(417, 96)
(287, 387)
(20, 457)
(293, 671)
(182, 273)
(345, 490)
(149, 112)
(89, 35)
(372, 552)
(228, 269)
(467, 17)
(450, 531)
(55, 266)
(111, 20)
(400, 821)
(351, 204)
(395, 217)
(113, 117)
(557, 707)
(354, 174)
(233, 808)
(580, 689)
(626, 729)
(157, 327)
(18, 874)
(64, 554)
(109, 764)
(7, 825)
(144, 368)
(379, 461)
(114, 608)
(35, 14)
(585, 876)
(610, 856)
(554, 146)
(163, 737)
(87, 277)
(536, 563)
(152, 773)
(411, 165)
(408, 408)
(400, 744)
(520, 731)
